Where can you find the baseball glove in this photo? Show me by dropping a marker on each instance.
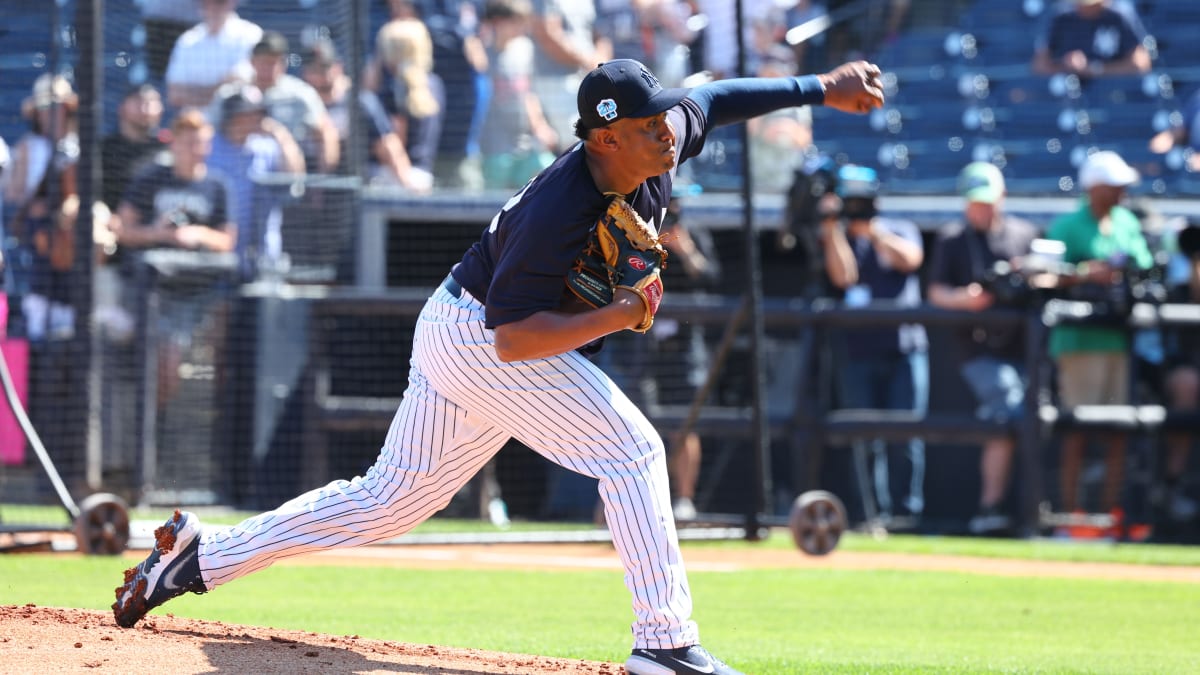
(622, 251)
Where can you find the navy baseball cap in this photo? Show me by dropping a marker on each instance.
(623, 88)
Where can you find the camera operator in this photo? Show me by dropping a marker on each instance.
(961, 278)
(1102, 239)
(874, 260)
(1182, 382)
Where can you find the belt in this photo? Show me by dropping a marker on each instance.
(452, 286)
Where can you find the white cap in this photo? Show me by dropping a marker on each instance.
(1106, 168)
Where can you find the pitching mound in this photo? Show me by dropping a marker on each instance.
(77, 640)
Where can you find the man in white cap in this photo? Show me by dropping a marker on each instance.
(1102, 238)
(965, 255)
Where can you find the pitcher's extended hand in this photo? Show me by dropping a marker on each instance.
(853, 87)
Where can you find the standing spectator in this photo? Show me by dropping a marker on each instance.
(185, 206)
(1101, 238)
(993, 365)
(874, 260)
(413, 96)
(517, 139)
(626, 24)
(43, 202)
(1182, 382)
(180, 205)
(460, 61)
(165, 21)
(1090, 38)
(136, 142)
(293, 102)
(248, 146)
(567, 47)
(137, 139)
(211, 53)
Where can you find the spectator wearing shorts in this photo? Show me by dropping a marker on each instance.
(1101, 238)
(993, 356)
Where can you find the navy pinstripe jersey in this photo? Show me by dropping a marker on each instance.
(518, 267)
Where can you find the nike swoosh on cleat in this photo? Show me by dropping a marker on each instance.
(708, 666)
(169, 580)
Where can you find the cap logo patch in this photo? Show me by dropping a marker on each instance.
(607, 109)
(651, 81)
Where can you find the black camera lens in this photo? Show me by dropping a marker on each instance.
(858, 208)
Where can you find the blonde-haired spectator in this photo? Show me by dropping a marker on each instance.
(405, 49)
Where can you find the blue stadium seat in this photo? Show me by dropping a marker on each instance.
(1024, 90)
(851, 150)
(1176, 42)
(1119, 90)
(918, 47)
(933, 122)
(1114, 123)
(1039, 172)
(832, 124)
(926, 91)
(1032, 122)
(1160, 14)
(986, 14)
(1004, 45)
(923, 167)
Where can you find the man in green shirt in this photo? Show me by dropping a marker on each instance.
(1102, 239)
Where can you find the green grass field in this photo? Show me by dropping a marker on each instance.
(763, 621)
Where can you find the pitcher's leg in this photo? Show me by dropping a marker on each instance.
(591, 427)
(637, 506)
(616, 444)
(432, 448)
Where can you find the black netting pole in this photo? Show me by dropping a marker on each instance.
(89, 79)
(356, 38)
(760, 438)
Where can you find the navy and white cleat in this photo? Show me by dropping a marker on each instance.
(694, 660)
(171, 569)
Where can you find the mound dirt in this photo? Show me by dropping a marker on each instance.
(47, 639)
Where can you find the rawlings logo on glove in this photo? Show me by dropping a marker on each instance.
(623, 251)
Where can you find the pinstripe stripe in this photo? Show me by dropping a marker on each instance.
(460, 407)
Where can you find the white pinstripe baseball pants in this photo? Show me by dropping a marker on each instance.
(461, 406)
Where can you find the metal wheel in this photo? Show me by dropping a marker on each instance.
(817, 521)
(102, 527)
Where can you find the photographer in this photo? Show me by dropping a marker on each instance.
(1182, 382)
(874, 260)
(960, 278)
(1102, 239)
